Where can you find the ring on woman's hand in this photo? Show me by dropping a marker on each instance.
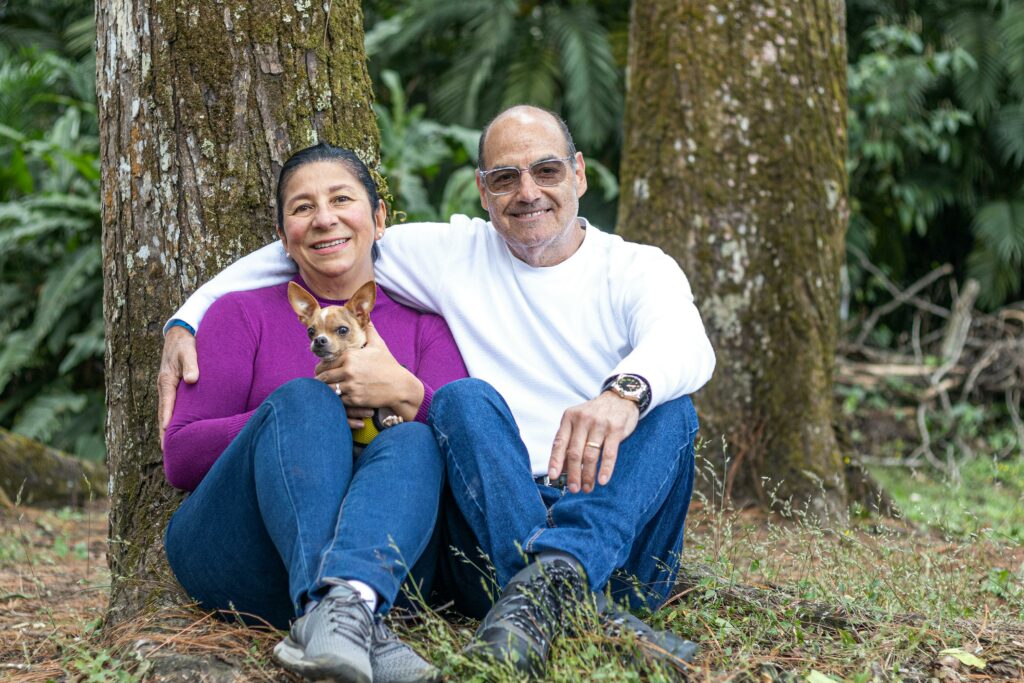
(591, 444)
(337, 388)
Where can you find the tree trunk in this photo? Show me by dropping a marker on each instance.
(200, 102)
(34, 474)
(734, 164)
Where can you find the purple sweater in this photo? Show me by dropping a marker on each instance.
(250, 343)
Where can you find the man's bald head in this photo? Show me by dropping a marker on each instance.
(525, 113)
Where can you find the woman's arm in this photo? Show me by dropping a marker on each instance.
(210, 413)
(438, 360)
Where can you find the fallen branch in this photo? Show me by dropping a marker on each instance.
(34, 474)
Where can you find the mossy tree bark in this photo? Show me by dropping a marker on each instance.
(734, 164)
(200, 102)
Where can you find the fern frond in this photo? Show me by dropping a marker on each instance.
(80, 35)
(18, 350)
(532, 78)
(998, 279)
(64, 287)
(42, 416)
(1011, 33)
(84, 345)
(978, 33)
(1000, 225)
(1008, 127)
(593, 99)
(11, 238)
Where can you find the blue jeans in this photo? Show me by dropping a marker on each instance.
(285, 507)
(628, 534)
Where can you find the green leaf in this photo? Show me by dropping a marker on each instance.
(43, 415)
(65, 287)
(1008, 127)
(1000, 224)
(964, 657)
(818, 677)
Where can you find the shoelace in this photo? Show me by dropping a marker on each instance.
(356, 630)
(538, 598)
(385, 639)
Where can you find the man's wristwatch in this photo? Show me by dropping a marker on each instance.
(631, 387)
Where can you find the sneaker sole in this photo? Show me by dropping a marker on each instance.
(290, 655)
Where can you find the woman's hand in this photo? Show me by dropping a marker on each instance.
(370, 378)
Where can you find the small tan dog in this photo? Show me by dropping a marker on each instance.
(333, 330)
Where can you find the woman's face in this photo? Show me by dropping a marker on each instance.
(329, 228)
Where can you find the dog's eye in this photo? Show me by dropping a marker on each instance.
(343, 330)
(311, 332)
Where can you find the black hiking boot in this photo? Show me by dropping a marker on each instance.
(528, 616)
(662, 646)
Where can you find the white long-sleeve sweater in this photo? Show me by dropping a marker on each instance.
(545, 338)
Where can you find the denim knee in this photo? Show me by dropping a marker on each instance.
(453, 398)
(418, 451)
(306, 396)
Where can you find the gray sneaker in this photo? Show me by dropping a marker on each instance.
(332, 641)
(395, 662)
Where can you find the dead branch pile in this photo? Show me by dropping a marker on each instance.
(951, 356)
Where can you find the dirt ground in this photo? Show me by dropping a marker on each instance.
(53, 586)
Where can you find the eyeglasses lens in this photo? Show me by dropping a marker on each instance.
(545, 173)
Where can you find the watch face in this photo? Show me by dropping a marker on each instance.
(630, 385)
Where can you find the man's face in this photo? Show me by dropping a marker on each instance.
(538, 223)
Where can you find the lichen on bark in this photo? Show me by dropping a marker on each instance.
(200, 103)
(734, 164)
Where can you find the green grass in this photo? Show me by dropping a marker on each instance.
(984, 496)
(768, 598)
(773, 599)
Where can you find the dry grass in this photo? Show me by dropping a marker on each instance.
(768, 599)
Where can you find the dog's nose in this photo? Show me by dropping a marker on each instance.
(320, 341)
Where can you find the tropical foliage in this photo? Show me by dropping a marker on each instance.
(471, 59)
(51, 338)
(937, 139)
(936, 152)
(425, 161)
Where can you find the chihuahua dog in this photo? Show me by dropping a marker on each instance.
(333, 330)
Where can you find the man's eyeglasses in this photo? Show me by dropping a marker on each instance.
(506, 179)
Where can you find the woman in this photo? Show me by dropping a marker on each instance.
(281, 521)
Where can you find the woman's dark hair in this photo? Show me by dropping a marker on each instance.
(338, 155)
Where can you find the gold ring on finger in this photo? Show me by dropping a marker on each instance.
(592, 444)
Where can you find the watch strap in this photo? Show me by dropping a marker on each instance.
(643, 401)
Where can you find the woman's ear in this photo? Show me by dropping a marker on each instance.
(284, 241)
(380, 219)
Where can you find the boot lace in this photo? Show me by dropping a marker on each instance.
(536, 606)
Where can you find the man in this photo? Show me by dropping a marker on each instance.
(570, 450)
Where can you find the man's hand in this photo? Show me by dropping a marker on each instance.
(177, 362)
(588, 431)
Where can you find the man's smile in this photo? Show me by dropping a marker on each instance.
(529, 215)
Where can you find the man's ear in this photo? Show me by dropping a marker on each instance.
(483, 193)
(303, 303)
(581, 175)
(362, 302)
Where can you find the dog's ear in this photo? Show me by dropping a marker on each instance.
(303, 303)
(362, 301)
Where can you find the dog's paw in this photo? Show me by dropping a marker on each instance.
(391, 420)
